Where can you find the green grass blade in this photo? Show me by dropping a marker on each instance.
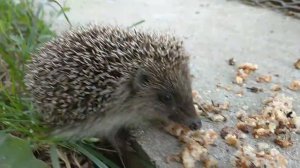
(89, 154)
(135, 24)
(54, 157)
(99, 155)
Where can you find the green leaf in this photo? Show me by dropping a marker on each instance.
(16, 153)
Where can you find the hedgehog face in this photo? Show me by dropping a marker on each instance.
(169, 96)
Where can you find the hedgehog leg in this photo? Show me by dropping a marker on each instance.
(121, 143)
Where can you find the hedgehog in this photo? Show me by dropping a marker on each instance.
(96, 80)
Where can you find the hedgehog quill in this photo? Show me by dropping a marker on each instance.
(98, 80)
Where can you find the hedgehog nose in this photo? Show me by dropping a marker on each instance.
(195, 125)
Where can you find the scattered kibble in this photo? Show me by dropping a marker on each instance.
(249, 157)
(276, 118)
(196, 144)
(264, 79)
(297, 64)
(276, 88)
(213, 111)
(295, 85)
(244, 70)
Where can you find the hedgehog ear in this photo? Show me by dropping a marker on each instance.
(141, 79)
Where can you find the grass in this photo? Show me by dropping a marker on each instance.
(22, 31)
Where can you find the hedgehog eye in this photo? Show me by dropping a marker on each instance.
(166, 98)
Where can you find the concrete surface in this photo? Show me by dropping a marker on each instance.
(213, 31)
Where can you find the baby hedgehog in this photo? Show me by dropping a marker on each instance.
(98, 79)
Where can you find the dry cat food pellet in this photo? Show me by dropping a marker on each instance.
(248, 67)
(276, 88)
(196, 145)
(232, 140)
(283, 140)
(295, 85)
(231, 130)
(249, 157)
(264, 79)
(276, 118)
(232, 136)
(213, 111)
(244, 70)
(297, 64)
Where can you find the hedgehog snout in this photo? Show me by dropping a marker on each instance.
(194, 122)
(190, 119)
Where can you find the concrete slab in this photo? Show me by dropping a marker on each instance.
(213, 31)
